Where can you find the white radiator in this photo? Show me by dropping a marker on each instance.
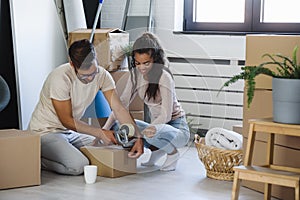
(198, 82)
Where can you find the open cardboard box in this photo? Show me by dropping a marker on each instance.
(108, 43)
(112, 161)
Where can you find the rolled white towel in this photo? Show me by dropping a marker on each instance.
(223, 138)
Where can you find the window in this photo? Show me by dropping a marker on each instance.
(242, 16)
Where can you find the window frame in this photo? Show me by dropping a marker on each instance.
(252, 22)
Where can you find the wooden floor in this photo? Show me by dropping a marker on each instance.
(188, 182)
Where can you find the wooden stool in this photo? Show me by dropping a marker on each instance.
(270, 173)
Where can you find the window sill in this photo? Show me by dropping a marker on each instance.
(230, 33)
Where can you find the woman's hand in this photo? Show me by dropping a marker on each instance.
(149, 131)
(137, 150)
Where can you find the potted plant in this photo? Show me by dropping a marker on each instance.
(285, 85)
(126, 51)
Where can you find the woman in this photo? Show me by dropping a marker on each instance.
(151, 79)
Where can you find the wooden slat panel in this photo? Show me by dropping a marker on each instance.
(213, 110)
(205, 69)
(210, 96)
(207, 83)
(208, 123)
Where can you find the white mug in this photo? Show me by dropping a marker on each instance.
(90, 174)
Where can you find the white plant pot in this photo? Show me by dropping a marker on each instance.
(286, 100)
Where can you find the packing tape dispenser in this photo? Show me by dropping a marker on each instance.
(125, 135)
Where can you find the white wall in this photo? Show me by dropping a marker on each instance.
(39, 47)
(168, 17)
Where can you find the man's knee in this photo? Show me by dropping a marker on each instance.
(76, 167)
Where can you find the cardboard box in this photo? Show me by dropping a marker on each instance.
(261, 107)
(20, 163)
(136, 107)
(282, 156)
(121, 78)
(258, 45)
(238, 129)
(137, 114)
(111, 161)
(97, 122)
(107, 42)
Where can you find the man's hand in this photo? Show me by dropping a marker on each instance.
(108, 137)
(137, 150)
(149, 131)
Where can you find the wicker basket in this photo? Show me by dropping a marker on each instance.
(218, 162)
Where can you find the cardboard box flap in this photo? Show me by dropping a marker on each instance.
(104, 31)
(115, 36)
(116, 30)
(9, 133)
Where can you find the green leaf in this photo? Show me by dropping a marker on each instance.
(285, 68)
(295, 55)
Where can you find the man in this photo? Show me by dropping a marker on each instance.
(67, 92)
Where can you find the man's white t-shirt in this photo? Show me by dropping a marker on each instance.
(62, 84)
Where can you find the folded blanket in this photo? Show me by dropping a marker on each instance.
(225, 139)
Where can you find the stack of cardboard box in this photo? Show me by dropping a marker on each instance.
(287, 149)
